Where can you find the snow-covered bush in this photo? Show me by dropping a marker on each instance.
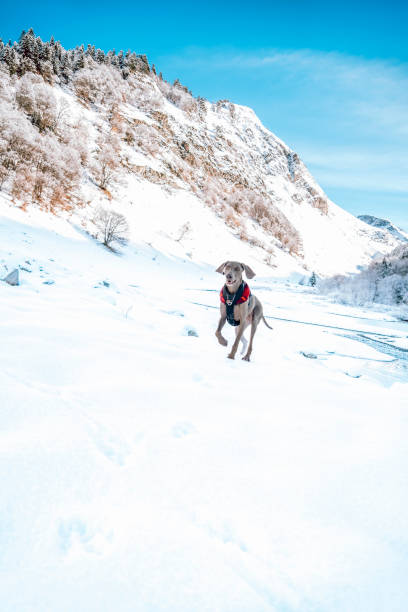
(146, 138)
(38, 167)
(99, 84)
(385, 281)
(76, 136)
(112, 227)
(37, 99)
(262, 210)
(143, 93)
(106, 162)
(178, 95)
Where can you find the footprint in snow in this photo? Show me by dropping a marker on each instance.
(75, 535)
(112, 447)
(176, 313)
(188, 330)
(183, 429)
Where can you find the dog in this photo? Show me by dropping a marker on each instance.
(238, 306)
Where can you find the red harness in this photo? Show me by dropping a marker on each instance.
(231, 299)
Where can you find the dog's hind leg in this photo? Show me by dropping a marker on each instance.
(256, 317)
(253, 330)
(244, 344)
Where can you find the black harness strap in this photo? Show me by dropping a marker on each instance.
(231, 300)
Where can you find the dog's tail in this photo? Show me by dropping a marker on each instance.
(264, 320)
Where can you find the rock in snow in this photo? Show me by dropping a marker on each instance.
(12, 278)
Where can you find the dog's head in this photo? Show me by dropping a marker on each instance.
(233, 271)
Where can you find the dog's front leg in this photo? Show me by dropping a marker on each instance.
(221, 323)
(243, 312)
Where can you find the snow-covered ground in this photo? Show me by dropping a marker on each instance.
(141, 470)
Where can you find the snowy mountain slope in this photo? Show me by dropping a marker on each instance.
(385, 228)
(142, 470)
(105, 129)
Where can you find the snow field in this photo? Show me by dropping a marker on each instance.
(142, 470)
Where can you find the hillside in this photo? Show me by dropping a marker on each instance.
(81, 129)
(384, 227)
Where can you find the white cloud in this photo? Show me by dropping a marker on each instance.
(358, 168)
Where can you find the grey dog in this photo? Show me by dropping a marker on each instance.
(241, 313)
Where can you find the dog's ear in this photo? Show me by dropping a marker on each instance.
(248, 271)
(221, 267)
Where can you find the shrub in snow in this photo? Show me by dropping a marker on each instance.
(178, 95)
(143, 93)
(106, 162)
(38, 166)
(99, 84)
(146, 138)
(36, 99)
(385, 281)
(112, 227)
(262, 210)
(184, 231)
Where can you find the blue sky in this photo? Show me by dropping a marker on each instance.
(330, 79)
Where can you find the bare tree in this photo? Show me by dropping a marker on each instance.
(112, 227)
(184, 231)
(107, 160)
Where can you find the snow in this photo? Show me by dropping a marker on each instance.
(143, 470)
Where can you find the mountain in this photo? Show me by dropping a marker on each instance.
(385, 228)
(83, 129)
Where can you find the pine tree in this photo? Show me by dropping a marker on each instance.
(65, 68)
(384, 268)
(11, 59)
(59, 50)
(398, 294)
(100, 56)
(79, 61)
(37, 53)
(26, 44)
(313, 280)
(132, 63)
(47, 55)
(202, 109)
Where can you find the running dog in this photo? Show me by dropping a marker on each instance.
(238, 306)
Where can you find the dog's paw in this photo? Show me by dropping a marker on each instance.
(222, 340)
(231, 356)
(246, 358)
